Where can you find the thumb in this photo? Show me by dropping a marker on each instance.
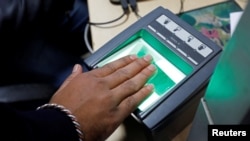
(77, 69)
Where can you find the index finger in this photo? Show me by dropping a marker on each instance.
(113, 66)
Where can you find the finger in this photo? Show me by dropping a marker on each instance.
(76, 70)
(127, 72)
(133, 85)
(113, 66)
(128, 105)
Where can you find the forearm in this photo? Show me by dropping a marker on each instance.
(16, 13)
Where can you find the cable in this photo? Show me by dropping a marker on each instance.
(125, 7)
(86, 40)
(182, 6)
(134, 7)
(137, 15)
(124, 4)
(86, 30)
(108, 22)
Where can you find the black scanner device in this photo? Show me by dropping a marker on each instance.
(184, 59)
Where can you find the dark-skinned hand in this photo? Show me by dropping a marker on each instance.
(102, 98)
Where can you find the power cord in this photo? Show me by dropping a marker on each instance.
(86, 39)
(108, 22)
(86, 30)
(181, 7)
(133, 5)
(125, 7)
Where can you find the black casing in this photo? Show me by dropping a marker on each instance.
(172, 113)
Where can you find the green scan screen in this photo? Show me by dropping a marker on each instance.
(170, 68)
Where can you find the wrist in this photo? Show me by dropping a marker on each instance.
(69, 114)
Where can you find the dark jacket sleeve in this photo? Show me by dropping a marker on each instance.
(41, 125)
(16, 13)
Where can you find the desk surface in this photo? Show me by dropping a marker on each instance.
(103, 10)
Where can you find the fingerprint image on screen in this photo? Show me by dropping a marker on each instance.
(167, 75)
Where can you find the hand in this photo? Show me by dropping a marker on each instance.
(102, 98)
